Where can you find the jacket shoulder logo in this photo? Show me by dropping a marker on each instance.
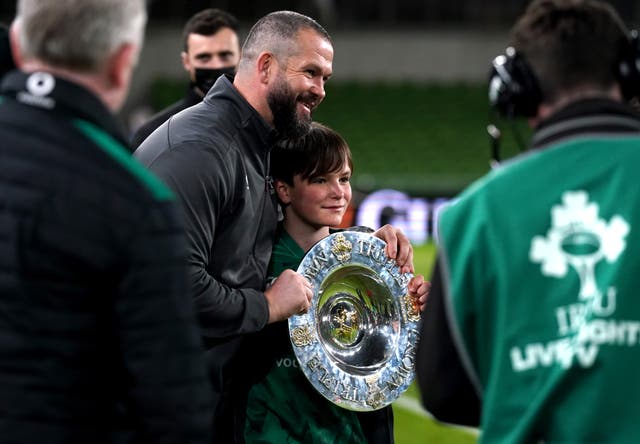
(38, 87)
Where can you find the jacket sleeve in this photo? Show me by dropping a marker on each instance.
(205, 193)
(446, 390)
(168, 392)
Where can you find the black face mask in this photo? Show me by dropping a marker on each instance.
(206, 77)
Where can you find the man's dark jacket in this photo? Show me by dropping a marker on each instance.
(98, 342)
(191, 98)
(215, 156)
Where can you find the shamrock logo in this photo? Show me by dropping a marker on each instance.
(580, 239)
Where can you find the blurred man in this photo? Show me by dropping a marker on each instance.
(98, 337)
(215, 156)
(531, 329)
(211, 49)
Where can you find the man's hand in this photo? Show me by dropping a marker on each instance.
(419, 290)
(290, 294)
(398, 247)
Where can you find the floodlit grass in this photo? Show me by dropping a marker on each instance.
(423, 258)
(420, 138)
(412, 424)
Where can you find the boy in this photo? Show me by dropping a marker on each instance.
(312, 178)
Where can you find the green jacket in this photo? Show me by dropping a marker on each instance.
(539, 265)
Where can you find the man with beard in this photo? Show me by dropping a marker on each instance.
(215, 156)
(211, 48)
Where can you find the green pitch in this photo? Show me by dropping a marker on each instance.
(412, 424)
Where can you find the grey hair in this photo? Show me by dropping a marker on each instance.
(78, 34)
(276, 33)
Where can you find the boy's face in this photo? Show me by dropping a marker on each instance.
(319, 201)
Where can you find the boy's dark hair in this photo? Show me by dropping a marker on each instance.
(208, 22)
(320, 151)
(571, 44)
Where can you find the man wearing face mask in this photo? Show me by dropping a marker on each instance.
(211, 49)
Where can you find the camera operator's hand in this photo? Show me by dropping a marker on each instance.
(289, 294)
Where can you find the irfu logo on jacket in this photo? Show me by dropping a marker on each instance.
(578, 240)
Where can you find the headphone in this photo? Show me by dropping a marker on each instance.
(514, 90)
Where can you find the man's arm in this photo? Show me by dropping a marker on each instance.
(446, 390)
(205, 188)
(201, 180)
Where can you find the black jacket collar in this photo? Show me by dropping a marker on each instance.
(590, 117)
(192, 97)
(42, 90)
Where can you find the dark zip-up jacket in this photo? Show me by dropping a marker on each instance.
(191, 98)
(214, 155)
(98, 341)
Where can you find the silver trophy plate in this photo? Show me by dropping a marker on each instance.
(356, 344)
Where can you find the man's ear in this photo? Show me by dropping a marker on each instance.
(184, 57)
(266, 64)
(282, 188)
(14, 43)
(121, 65)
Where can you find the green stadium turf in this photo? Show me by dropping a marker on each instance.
(424, 139)
(412, 423)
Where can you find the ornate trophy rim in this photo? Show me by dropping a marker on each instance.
(356, 364)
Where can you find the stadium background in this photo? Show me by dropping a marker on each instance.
(408, 93)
